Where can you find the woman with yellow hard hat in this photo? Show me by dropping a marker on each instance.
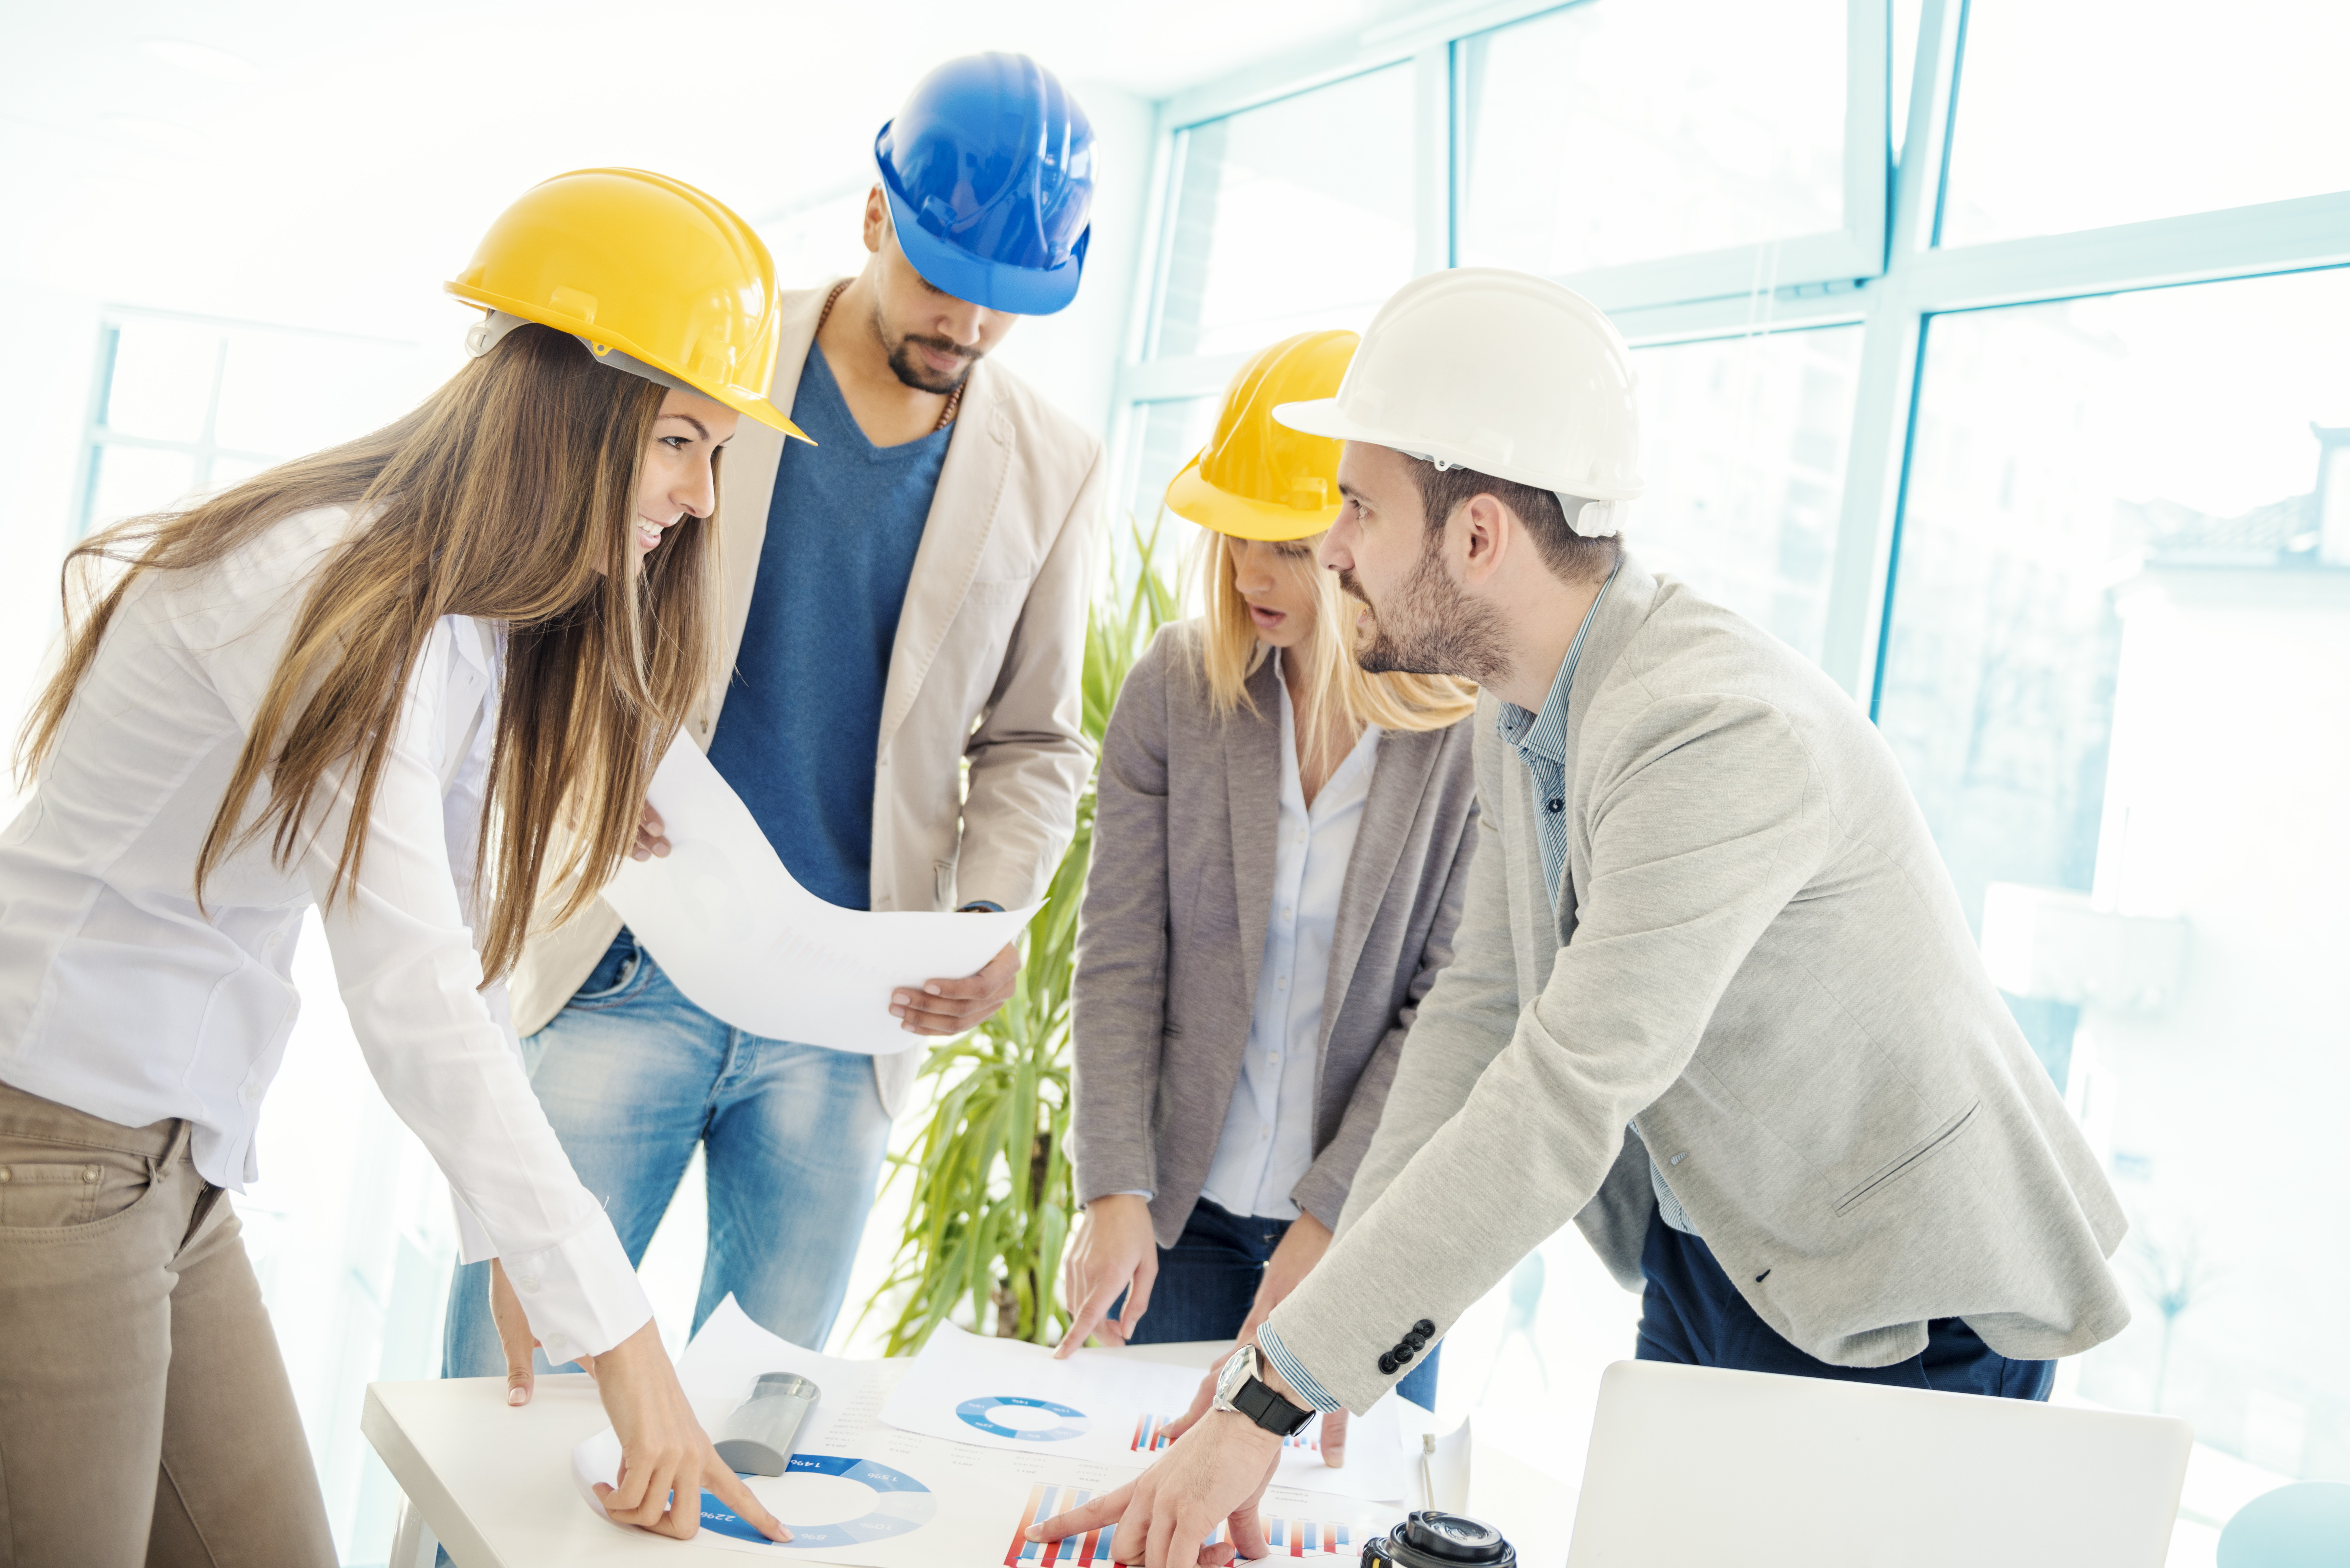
(1280, 849)
(373, 680)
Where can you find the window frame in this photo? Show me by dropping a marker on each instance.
(1886, 271)
(204, 450)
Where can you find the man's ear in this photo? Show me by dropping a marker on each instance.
(1485, 531)
(877, 219)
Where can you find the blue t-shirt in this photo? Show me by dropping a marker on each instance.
(803, 719)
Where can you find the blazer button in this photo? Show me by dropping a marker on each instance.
(1424, 1326)
(1403, 1354)
(1388, 1362)
(1417, 1340)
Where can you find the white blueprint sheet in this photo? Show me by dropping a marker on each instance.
(748, 944)
(866, 1494)
(1100, 1405)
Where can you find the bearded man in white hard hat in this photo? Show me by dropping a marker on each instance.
(1713, 998)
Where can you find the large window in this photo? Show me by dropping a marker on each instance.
(1744, 457)
(2118, 679)
(1990, 354)
(1604, 134)
(1292, 216)
(185, 405)
(2074, 114)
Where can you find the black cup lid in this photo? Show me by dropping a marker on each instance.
(1454, 1537)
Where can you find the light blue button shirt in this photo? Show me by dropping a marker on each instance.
(1540, 741)
(1267, 1143)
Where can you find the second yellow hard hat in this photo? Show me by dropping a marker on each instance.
(637, 264)
(1258, 479)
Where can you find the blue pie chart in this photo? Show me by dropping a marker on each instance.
(900, 1504)
(980, 1413)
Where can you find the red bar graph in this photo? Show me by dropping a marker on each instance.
(1084, 1550)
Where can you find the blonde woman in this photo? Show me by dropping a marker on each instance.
(371, 680)
(1280, 848)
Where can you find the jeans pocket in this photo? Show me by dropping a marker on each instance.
(54, 1194)
(615, 974)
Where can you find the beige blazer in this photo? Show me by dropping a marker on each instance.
(1757, 952)
(1177, 904)
(987, 667)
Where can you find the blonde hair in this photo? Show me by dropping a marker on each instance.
(1339, 693)
(510, 495)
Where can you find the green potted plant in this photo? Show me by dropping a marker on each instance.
(991, 1202)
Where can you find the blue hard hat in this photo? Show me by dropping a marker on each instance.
(990, 173)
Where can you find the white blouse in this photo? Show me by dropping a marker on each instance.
(1267, 1143)
(119, 998)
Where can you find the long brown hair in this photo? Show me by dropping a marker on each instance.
(509, 495)
(1339, 695)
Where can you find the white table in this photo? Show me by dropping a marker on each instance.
(494, 1483)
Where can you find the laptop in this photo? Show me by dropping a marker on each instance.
(1693, 1467)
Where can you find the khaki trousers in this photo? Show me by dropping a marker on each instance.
(145, 1415)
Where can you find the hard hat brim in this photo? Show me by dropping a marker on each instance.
(741, 399)
(1324, 417)
(992, 285)
(1191, 497)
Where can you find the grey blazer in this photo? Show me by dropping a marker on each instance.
(1757, 953)
(1176, 902)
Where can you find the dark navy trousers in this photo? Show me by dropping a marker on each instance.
(1207, 1279)
(1692, 1313)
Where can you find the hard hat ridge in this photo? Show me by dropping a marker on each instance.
(1258, 478)
(989, 172)
(642, 269)
(1501, 372)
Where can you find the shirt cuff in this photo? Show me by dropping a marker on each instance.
(580, 1294)
(473, 1243)
(1294, 1374)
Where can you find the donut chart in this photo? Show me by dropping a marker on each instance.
(979, 1413)
(900, 1504)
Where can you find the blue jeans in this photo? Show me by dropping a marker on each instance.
(632, 1075)
(1207, 1279)
(1692, 1313)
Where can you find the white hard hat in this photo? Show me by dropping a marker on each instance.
(1501, 372)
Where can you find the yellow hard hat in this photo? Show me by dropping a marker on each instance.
(1258, 479)
(640, 268)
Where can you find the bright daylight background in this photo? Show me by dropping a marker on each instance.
(1996, 356)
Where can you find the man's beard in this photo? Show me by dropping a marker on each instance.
(907, 361)
(1431, 627)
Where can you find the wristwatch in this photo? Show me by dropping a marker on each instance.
(1239, 1388)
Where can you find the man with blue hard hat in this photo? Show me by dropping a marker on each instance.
(905, 593)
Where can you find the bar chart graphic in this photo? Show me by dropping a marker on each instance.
(1284, 1535)
(1044, 1500)
(1150, 1436)
(1307, 1537)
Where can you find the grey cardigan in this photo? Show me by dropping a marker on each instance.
(1176, 902)
(1758, 953)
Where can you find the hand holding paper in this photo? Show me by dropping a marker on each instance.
(748, 944)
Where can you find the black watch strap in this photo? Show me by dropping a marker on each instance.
(1268, 1409)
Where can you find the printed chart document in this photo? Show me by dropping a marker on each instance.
(747, 943)
(1007, 1393)
(866, 1494)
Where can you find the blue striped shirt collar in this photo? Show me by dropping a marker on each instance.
(1545, 733)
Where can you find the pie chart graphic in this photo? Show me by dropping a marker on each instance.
(900, 1504)
(980, 1413)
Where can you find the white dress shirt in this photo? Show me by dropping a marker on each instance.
(120, 998)
(1267, 1144)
